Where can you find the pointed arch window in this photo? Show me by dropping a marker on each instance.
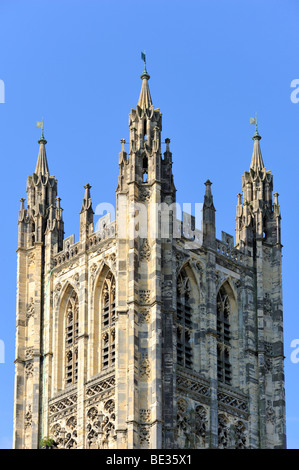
(145, 170)
(71, 339)
(108, 321)
(223, 337)
(184, 321)
(32, 232)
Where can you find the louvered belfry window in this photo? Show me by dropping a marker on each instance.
(71, 339)
(223, 337)
(184, 321)
(108, 321)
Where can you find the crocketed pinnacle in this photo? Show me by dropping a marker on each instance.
(86, 205)
(145, 99)
(42, 163)
(257, 159)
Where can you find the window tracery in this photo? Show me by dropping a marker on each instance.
(223, 337)
(184, 321)
(71, 339)
(108, 321)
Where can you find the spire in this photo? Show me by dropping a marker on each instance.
(86, 205)
(42, 163)
(208, 198)
(257, 159)
(257, 163)
(86, 215)
(209, 231)
(145, 100)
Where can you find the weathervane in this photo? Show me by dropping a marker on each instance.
(254, 121)
(143, 57)
(40, 125)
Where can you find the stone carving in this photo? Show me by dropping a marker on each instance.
(192, 424)
(57, 290)
(29, 353)
(100, 426)
(144, 194)
(230, 252)
(184, 424)
(237, 282)
(68, 267)
(145, 315)
(180, 259)
(92, 428)
(201, 422)
(144, 296)
(30, 310)
(110, 260)
(70, 250)
(76, 279)
(198, 267)
(240, 435)
(270, 413)
(267, 304)
(232, 401)
(100, 390)
(268, 356)
(223, 432)
(58, 287)
(144, 436)
(65, 433)
(183, 284)
(145, 252)
(71, 435)
(232, 432)
(268, 364)
(182, 418)
(145, 368)
(29, 369)
(167, 289)
(192, 385)
(28, 417)
(59, 409)
(93, 271)
(31, 258)
(220, 278)
(145, 415)
(93, 268)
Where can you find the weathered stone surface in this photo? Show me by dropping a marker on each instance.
(147, 333)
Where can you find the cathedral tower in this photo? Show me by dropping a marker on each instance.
(148, 332)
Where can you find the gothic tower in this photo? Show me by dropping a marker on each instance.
(148, 332)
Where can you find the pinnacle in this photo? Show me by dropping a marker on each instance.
(145, 100)
(42, 163)
(257, 159)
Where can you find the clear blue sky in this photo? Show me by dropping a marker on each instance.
(213, 65)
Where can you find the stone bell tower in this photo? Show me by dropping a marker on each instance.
(148, 332)
(145, 275)
(41, 234)
(258, 234)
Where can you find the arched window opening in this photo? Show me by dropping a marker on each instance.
(144, 177)
(223, 337)
(108, 321)
(71, 339)
(144, 170)
(184, 321)
(32, 233)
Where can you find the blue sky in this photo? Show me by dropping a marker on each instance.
(213, 65)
